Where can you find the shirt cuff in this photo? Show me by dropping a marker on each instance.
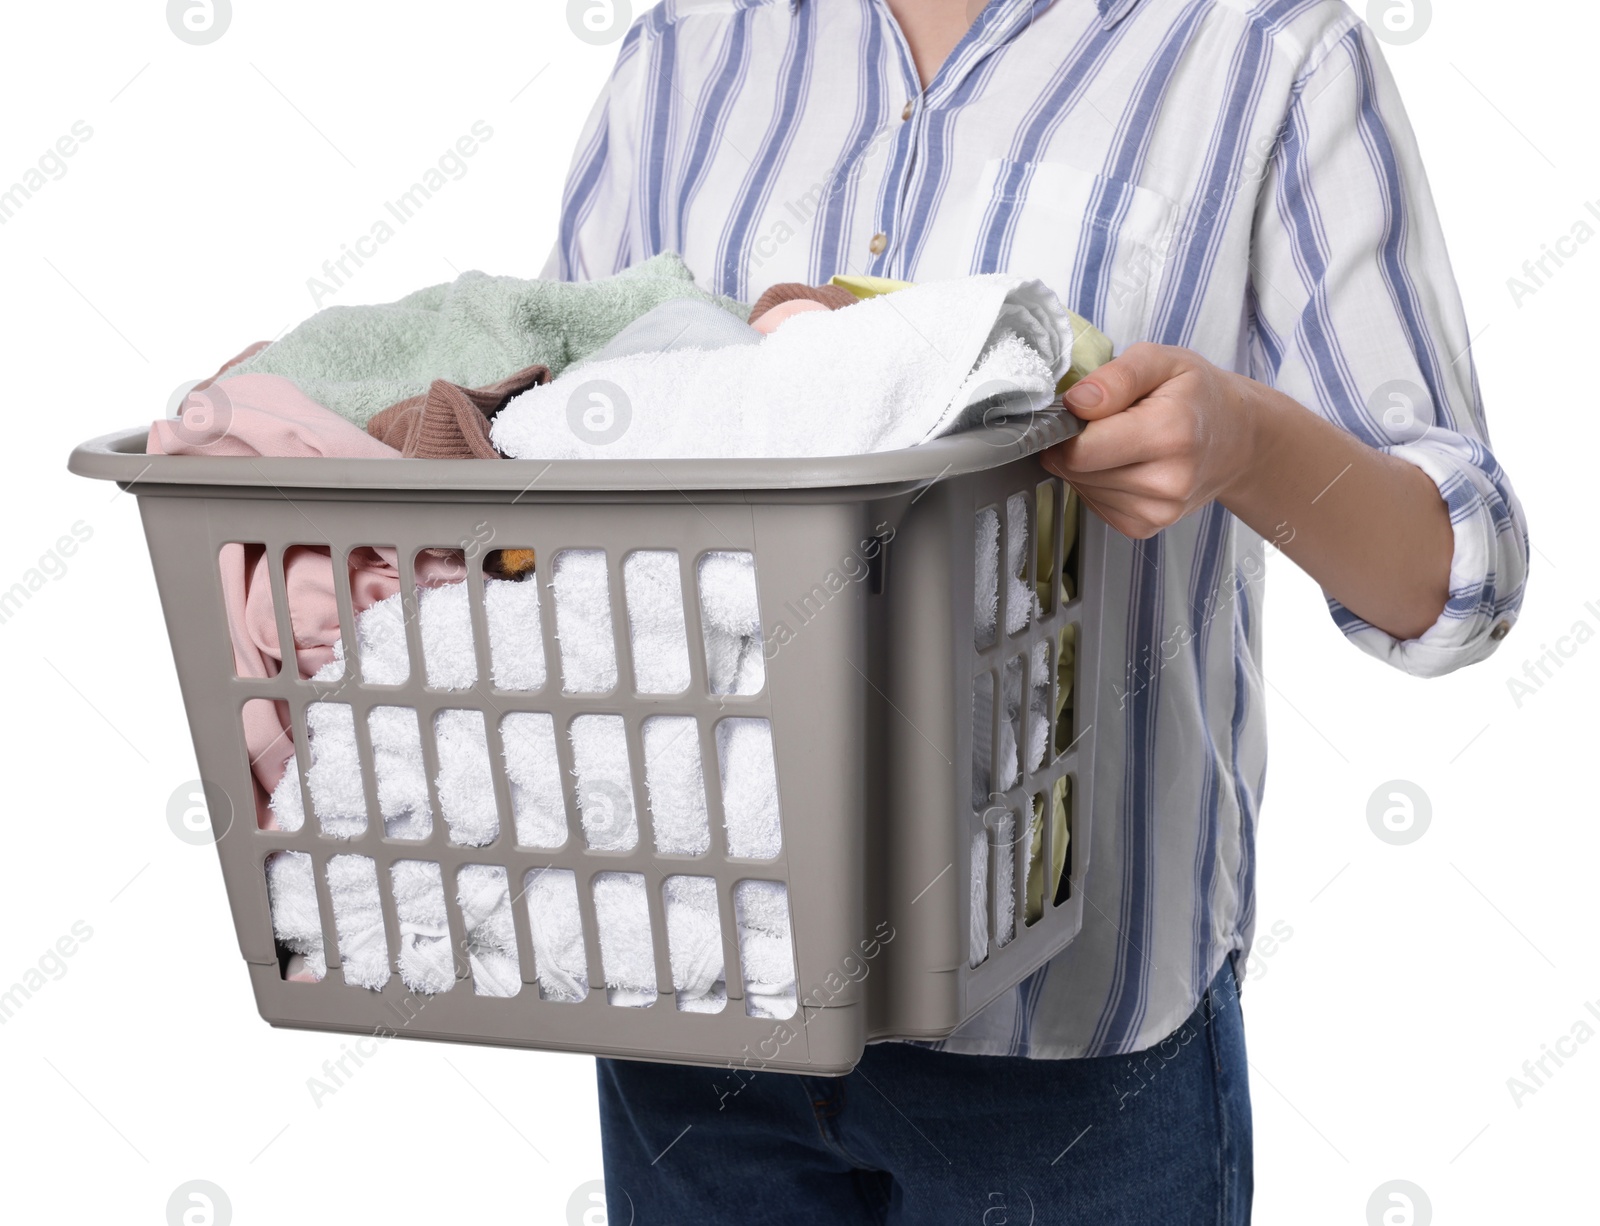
(1486, 573)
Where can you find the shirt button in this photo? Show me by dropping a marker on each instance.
(878, 243)
(1500, 631)
(910, 105)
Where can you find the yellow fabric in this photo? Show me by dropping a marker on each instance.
(1091, 349)
(868, 287)
(1058, 860)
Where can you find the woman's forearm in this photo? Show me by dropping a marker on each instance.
(1169, 432)
(1369, 527)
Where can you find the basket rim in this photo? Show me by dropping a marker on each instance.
(120, 457)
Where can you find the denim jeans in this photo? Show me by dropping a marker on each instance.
(927, 1137)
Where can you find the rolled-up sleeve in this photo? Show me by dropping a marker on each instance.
(598, 203)
(1356, 314)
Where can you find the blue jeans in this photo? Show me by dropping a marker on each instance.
(926, 1137)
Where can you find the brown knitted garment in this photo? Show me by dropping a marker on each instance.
(831, 296)
(450, 422)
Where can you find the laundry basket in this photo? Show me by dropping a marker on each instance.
(882, 696)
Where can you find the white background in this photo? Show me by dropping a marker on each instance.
(1382, 1033)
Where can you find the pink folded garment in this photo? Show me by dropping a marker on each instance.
(266, 415)
(260, 415)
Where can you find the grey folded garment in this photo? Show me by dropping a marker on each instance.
(682, 323)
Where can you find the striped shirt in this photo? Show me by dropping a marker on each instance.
(1234, 176)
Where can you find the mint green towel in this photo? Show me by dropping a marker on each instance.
(358, 360)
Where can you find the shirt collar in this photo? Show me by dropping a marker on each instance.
(1111, 11)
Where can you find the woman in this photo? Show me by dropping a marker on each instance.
(1232, 193)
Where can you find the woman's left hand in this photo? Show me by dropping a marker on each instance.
(1167, 433)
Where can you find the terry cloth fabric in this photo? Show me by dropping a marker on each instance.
(831, 296)
(890, 372)
(359, 360)
(424, 960)
(450, 422)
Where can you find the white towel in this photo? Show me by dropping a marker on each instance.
(675, 780)
(749, 789)
(605, 782)
(534, 773)
(730, 617)
(991, 778)
(694, 941)
(424, 958)
(766, 950)
(887, 373)
(654, 591)
(582, 586)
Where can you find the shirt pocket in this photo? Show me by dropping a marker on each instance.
(1099, 242)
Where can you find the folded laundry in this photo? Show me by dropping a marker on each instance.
(359, 360)
(889, 372)
(992, 776)
(424, 958)
(450, 422)
(259, 415)
(603, 786)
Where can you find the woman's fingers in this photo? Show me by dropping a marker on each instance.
(1153, 430)
(1124, 380)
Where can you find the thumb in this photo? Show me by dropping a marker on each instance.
(1121, 382)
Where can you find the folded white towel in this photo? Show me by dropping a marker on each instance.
(627, 954)
(694, 942)
(424, 959)
(730, 617)
(674, 775)
(675, 779)
(749, 788)
(992, 778)
(890, 372)
(766, 950)
(654, 591)
(582, 586)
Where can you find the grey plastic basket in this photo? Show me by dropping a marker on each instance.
(870, 700)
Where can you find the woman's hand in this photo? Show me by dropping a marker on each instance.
(1167, 433)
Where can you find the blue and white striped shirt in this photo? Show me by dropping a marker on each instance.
(1235, 176)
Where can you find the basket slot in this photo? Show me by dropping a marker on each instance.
(748, 775)
(605, 782)
(628, 958)
(561, 950)
(393, 751)
(584, 625)
(730, 622)
(411, 624)
(675, 785)
(430, 961)
(658, 641)
(538, 806)
(358, 920)
(766, 948)
(452, 634)
(302, 913)
(485, 902)
(1022, 558)
(238, 566)
(1001, 825)
(512, 617)
(469, 794)
(695, 938)
(1067, 796)
(986, 582)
